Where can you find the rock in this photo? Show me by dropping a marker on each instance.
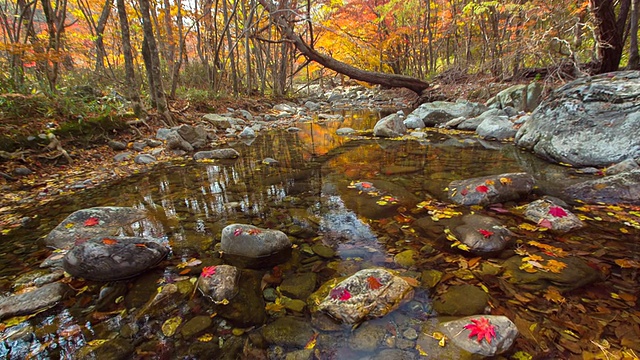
(405, 258)
(30, 302)
(100, 221)
(323, 251)
(439, 112)
(22, 171)
(413, 122)
(246, 244)
(625, 165)
(144, 159)
(614, 189)
(195, 326)
(222, 122)
(163, 133)
(117, 348)
(122, 156)
(246, 114)
(575, 273)
(176, 142)
(505, 330)
(227, 153)
(117, 145)
(270, 161)
(430, 278)
(293, 129)
(522, 97)
(196, 136)
(288, 331)
(473, 123)
(285, 107)
(345, 131)
(247, 132)
(113, 258)
(367, 337)
(139, 145)
(367, 294)
(312, 105)
(496, 128)
(491, 189)
(295, 305)
(219, 283)
(299, 286)
(590, 121)
(305, 354)
(247, 308)
(153, 143)
(394, 354)
(461, 300)
(390, 126)
(482, 234)
(547, 214)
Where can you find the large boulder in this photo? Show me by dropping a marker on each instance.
(102, 221)
(524, 97)
(503, 334)
(113, 258)
(591, 121)
(482, 234)
(32, 301)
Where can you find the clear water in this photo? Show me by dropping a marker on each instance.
(309, 187)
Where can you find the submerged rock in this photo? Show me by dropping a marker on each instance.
(288, 331)
(491, 189)
(614, 189)
(482, 234)
(113, 258)
(32, 301)
(369, 293)
(564, 273)
(461, 300)
(505, 331)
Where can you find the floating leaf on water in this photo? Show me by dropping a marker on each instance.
(312, 342)
(171, 325)
(522, 355)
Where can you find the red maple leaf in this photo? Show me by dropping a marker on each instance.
(374, 283)
(254, 231)
(545, 223)
(366, 185)
(207, 271)
(464, 192)
(482, 189)
(557, 211)
(237, 232)
(485, 233)
(482, 329)
(92, 221)
(341, 294)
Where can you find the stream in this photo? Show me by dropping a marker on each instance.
(336, 230)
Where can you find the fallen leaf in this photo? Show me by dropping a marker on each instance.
(69, 225)
(341, 294)
(92, 221)
(237, 232)
(482, 329)
(557, 211)
(169, 327)
(464, 192)
(312, 342)
(482, 189)
(254, 231)
(555, 266)
(552, 294)
(207, 271)
(108, 241)
(505, 181)
(486, 233)
(374, 283)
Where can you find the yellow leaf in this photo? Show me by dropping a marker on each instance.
(312, 342)
(463, 247)
(440, 337)
(97, 342)
(505, 181)
(381, 202)
(69, 225)
(205, 338)
(169, 327)
(421, 350)
(555, 266)
(552, 294)
(527, 227)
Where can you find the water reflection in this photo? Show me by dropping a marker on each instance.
(308, 195)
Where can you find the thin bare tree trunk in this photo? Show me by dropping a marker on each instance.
(131, 85)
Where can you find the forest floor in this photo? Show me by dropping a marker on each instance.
(93, 160)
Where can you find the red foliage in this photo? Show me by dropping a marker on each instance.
(482, 189)
(92, 221)
(374, 283)
(481, 328)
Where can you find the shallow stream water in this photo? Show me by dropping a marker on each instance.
(308, 196)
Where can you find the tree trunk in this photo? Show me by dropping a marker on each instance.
(608, 34)
(131, 86)
(391, 80)
(157, 88)
(634, 57)
(102, 23)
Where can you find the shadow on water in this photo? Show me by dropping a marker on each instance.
(309, 195)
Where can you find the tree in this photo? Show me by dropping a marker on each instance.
(609, 32)
(131, 86)
(153, 64)
(391, 80)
